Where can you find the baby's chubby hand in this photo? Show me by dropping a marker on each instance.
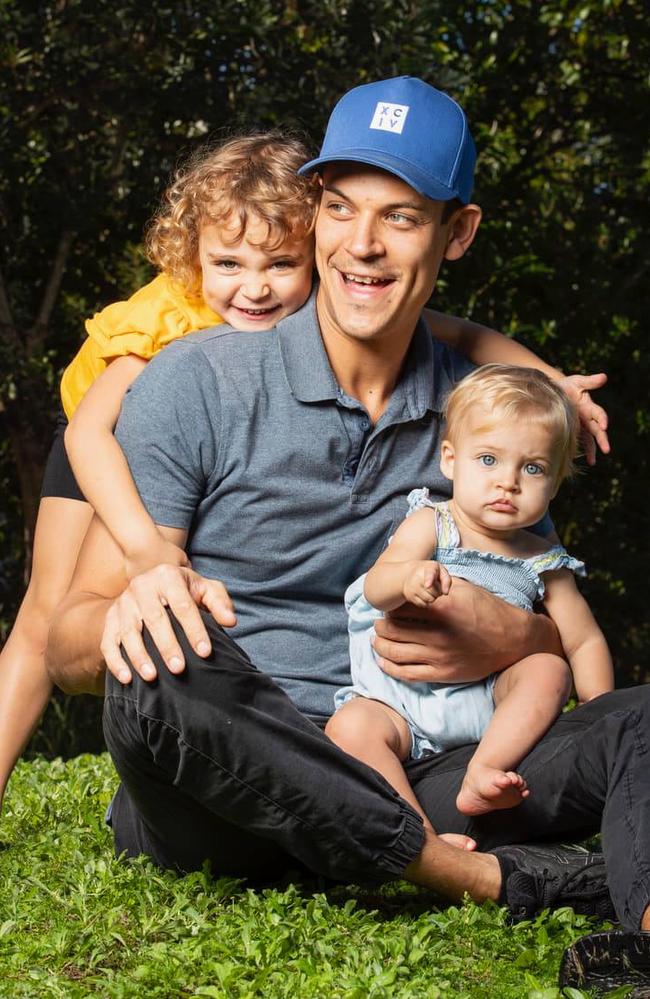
(425, 582)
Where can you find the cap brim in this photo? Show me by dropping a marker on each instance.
(410, 174)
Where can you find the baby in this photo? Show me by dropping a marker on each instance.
(510, 440)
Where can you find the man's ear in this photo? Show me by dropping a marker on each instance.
(462, 228)
(447, 459)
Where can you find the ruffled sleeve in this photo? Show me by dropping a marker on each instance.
(446, 531)
(418, 498)
(154, 316)
(557, 558)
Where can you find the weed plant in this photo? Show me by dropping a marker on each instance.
(76, 923)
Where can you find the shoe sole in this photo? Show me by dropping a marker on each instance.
(603, 961)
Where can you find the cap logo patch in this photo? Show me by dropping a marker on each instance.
(389, 117)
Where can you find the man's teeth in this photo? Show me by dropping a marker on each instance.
(358, 279)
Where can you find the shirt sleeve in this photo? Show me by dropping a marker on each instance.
(154, 316)
(169, 431)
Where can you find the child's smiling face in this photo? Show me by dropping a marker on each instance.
(504, 472)
(249, 285)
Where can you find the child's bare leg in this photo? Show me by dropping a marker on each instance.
(528, 696)
(25, 687)
(377, 735)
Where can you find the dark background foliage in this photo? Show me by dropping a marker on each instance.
(99, 100)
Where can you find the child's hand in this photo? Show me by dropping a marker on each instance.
(425, 582)
(159, 552)
(593, 418)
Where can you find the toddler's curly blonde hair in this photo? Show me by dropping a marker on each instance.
(507, 392)
(247, 175)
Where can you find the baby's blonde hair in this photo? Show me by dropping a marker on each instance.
(508, 392)
(250, 175)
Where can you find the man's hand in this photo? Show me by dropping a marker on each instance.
(143, 604)
(158, 551)
(462, 637)
(593, 418)
(425, 582)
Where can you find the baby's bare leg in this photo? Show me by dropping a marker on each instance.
(377, 735)
(529, 696)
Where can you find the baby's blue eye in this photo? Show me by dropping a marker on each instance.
(533, 469)
(488, 460)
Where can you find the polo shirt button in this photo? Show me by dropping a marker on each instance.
(365, 423)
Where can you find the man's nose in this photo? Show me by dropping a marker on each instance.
(363, 239)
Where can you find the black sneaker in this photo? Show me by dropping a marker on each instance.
(603, 961)
(543, 876)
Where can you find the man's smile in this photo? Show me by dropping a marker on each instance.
(364, 279)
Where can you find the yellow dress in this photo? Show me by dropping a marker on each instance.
(144, 324)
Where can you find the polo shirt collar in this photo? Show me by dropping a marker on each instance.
(305, 359)
(423, 385)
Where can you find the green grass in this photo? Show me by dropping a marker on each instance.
(75, 922)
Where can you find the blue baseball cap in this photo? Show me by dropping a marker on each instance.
(408, 128)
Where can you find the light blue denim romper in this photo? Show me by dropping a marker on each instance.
(444, 715)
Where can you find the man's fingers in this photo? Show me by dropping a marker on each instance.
(214, 596)
(138, 656)
(411, 673)
(174, 591)
(122, 630)
(110, 650)
(147, 603)
(154, 617)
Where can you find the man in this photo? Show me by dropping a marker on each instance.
(281, 460)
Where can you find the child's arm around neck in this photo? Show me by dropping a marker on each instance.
(483, 345)
(103, 474)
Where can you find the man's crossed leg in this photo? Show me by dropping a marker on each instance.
(217, 764)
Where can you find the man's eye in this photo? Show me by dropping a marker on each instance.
(532, 468)
(337, 208)
(488, 460)
(400, 219)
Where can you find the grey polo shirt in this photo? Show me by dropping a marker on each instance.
(287, 490)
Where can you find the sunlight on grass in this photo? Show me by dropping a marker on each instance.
(75, 922)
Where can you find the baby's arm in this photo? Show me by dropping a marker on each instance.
(485, 346)
(403, 573)
(103, 473)
(583, 641)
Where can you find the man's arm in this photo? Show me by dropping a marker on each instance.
(462, 637)
(101, 614)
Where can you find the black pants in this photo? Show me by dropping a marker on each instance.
(218, 765)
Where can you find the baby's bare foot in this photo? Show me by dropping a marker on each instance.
(486, 789)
